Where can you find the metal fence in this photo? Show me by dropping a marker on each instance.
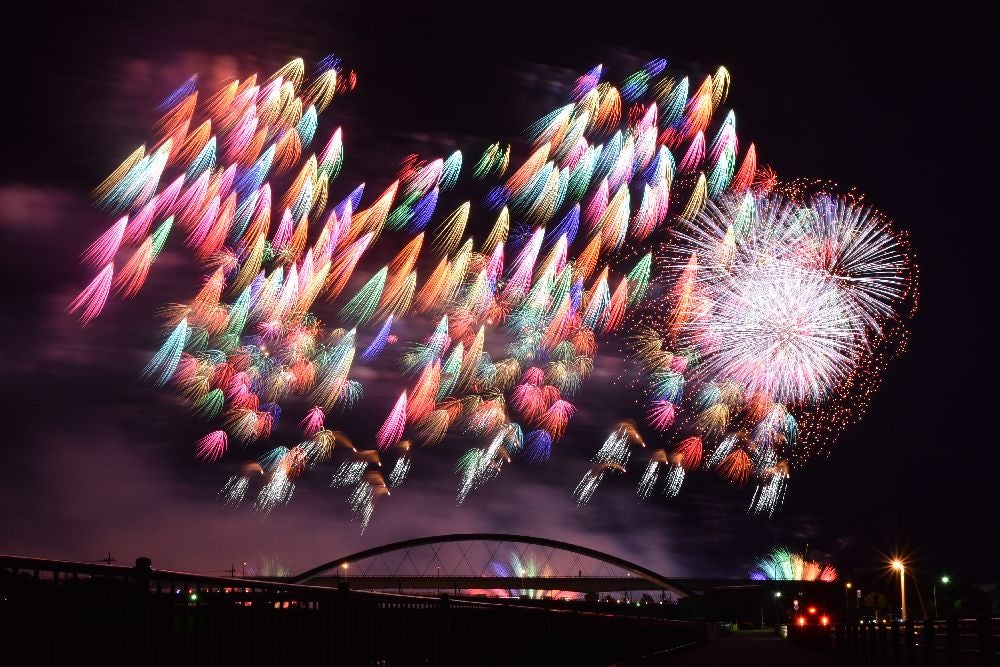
(59, 613)
(972, 642)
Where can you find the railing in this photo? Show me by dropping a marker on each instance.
(59, 613)
(973, 642)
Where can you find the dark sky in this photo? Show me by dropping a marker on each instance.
(893, 101)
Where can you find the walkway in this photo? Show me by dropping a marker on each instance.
(750, 648)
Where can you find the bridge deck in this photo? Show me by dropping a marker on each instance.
(751, 648)
(582, 584)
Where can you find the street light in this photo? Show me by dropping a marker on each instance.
(847, 599)
(944, 580)
(898, 565)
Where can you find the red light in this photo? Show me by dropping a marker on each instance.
(825, 620)
(812, 610)
(802, 620)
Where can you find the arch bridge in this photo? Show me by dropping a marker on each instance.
(490, 564)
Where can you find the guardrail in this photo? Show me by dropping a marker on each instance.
(973, 642)
(61, 613)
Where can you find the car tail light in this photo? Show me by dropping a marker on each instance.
(825, 620)
(802, 620)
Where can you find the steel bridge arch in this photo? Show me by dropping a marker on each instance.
(657, 580)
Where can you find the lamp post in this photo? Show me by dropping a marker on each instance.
(898, 565)
(944, 580)
(847, 599)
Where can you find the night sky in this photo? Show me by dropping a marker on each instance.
(895, 103)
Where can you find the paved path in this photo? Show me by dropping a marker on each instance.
(743, 649)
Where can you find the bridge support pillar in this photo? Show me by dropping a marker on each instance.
(911, 650)
(443, 640)
(930, 650)
(140, 621)
(954, 642)
(984, 627)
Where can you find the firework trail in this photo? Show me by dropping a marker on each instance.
(401, 470)
(756, 312)
(612, 456)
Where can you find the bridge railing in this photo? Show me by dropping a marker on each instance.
(974, 642)
(61, 613)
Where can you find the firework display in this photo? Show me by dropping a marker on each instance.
(755, 314)
(782, 564)
(521, 567)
